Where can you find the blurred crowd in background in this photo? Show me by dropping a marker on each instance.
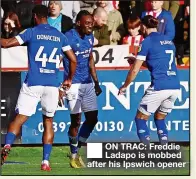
(115, 22)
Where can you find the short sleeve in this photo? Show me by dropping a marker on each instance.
(143, 49)
(66, 44)
(24, 36)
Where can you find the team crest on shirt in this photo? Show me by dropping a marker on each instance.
(23, 31)
(77, 45)
(162, 20)
(140, 48)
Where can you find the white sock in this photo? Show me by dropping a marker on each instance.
(45, 162)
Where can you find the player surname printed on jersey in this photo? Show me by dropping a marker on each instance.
(165, 42)
(48, 37)
(139, 155)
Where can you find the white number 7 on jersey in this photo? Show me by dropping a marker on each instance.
(44, 59)
(171, 52)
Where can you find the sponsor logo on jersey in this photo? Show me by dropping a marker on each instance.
(85, 53)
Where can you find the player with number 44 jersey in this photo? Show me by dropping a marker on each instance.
(159, 54)
(44, 46)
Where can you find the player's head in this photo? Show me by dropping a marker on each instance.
(133, 25)
(100, 17)
(149, 24)
(40, 14)
(84, 22)
(156, 5)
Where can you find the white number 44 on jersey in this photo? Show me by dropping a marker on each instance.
(45, 59)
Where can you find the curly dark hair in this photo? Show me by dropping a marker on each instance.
(81, 14)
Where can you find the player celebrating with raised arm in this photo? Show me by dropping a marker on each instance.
(159, 54)
(81, 96)
(44, 45)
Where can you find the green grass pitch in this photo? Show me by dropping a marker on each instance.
(31, 158)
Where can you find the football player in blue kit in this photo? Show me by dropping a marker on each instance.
(82, 96)
(158, 51)
(44, 45)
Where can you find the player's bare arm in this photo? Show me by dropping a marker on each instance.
(72, 68)
(131, 75)
(144, 64)
(92, 68)
(98, 90)
(11, 42)
(61, 60)
(131, 61)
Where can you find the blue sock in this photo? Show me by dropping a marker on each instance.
(47, 148)
(9, 139)
(84, 133)
(142, 131)
(73, 141)
(162, 131)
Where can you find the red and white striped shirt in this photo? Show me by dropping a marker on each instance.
(115, 4)
(133, 42)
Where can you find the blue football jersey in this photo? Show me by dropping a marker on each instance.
(82, 49)
(44, 46)
(159, 54)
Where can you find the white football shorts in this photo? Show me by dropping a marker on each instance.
(162, 100)
(30, 96)
(81, 98)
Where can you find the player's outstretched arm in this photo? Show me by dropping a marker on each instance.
(133, 72)
(131, 75)
(11, 42)
(98, 90)
(131, 61)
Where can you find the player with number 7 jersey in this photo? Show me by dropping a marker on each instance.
(158, 51)
(44, 47)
